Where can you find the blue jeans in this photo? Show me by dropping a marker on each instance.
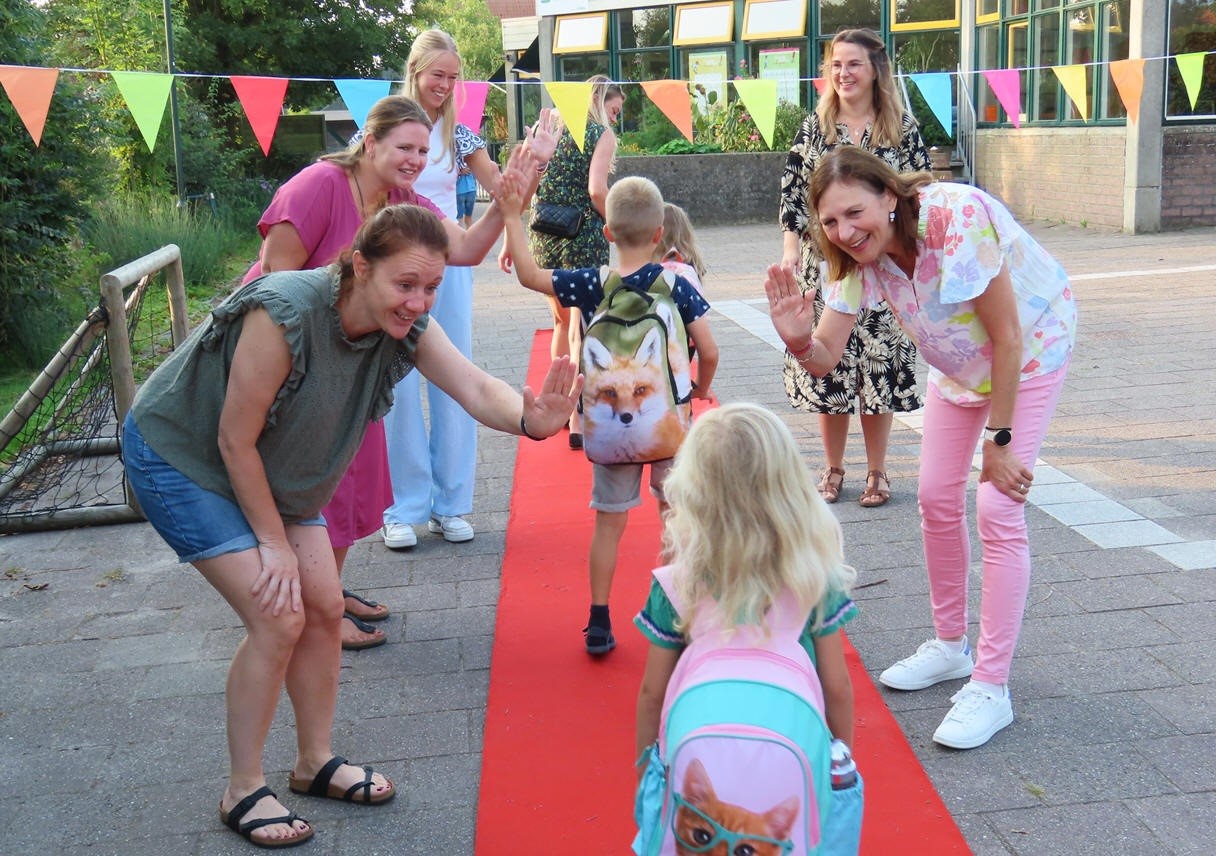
(195, 522)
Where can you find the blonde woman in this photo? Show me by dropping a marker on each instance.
(877, 375)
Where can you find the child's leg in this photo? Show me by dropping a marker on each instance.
(614, 490)
(609, 527)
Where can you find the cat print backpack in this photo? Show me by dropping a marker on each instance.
(638, 383)
(742, 763)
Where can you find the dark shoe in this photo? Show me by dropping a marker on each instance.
(373, 638)
(232, 819)
(576, 440)
(322, 785)
(368, 610)
(599, 640)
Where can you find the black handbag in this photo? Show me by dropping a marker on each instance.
(562, 221)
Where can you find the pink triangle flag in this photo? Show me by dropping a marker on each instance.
(471, 103)
(30, 91)
(262, 100)
(1006, 85)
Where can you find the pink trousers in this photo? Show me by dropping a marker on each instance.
(950, 436)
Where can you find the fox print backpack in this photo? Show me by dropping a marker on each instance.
(638, 383)
(743, 759)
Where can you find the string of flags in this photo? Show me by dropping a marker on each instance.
(146, 94)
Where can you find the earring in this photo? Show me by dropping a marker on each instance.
(891, 217)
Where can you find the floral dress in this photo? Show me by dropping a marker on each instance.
(879, 362)
(565, 183)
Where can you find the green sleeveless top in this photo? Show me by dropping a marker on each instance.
(319, 416)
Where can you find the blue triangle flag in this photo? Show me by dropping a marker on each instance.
(935, 87)
(360, 95)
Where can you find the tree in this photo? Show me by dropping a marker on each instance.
(477, 32)
(45, 195)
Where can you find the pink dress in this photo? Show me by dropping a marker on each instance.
(318, 203)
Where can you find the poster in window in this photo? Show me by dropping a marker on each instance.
(707, 72)
(784, 66)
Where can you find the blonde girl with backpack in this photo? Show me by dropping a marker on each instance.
(739, 564)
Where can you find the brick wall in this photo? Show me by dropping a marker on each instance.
(1070, 174)
(1188, 178)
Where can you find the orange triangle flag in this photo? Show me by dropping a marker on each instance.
(671, 96)
(262, 100)
(30, 90)
(1128, 75)
(821, 83)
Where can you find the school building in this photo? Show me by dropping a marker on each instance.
(1155, 173)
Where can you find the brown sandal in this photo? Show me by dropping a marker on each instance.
(831, 480)
(878, 489)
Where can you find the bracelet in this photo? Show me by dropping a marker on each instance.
(523, 429)
(542, 169)
(805, 353)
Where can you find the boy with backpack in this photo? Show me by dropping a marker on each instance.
(637, 322)
(746, 700)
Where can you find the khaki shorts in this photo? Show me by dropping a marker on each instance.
(618, 487)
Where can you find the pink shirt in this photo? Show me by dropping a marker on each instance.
(318, 203)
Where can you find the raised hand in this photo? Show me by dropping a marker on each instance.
(791, 311)
(541, 139)
(547, 413)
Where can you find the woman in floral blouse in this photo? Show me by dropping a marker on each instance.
(859, 108)
(994, 317)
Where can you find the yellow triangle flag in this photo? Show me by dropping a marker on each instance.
(30, 91)
(572, 101)
(146, 95)
(760, 98)
(671, 96)
(1128, 75)
(1190, 66)
(1072, 78)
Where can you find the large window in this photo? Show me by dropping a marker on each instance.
(836, 15)
(644, 38)
(1192, 28)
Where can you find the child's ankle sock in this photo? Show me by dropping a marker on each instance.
(599, 616)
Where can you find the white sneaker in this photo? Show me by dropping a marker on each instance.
(932, 663)
(976, 716)
(399, 536)
(454, 529)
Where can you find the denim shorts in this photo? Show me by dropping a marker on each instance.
(465, 203)
(195, 522)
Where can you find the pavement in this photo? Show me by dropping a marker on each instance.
(113, 656)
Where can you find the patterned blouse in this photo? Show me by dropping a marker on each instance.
(964, 237)
(808, 149)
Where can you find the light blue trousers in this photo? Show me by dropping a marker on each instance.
(433, 474)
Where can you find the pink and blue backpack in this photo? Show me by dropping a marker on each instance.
(743, 754)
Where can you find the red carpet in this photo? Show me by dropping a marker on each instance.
(557, 761)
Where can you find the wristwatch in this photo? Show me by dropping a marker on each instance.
(999, 436)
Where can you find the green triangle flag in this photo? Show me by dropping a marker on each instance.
(760, 99)
(1190, 66)
(146, 95)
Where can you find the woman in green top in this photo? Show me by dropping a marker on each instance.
(239, 439)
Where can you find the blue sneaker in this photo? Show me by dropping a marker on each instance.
(599, 640)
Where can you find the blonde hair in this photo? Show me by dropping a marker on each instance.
(602, 88)
(426, 50)
(678, 236)
(633, 211)
(746, 522)
(888, 109)
(856, 166)
(385, 115)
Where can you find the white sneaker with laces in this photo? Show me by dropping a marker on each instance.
(399, 536)
(454, 529)
(932, 663)
(976, 716)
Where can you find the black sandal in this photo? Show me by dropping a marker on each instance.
(370, 604)
(322, 785)
(377, 636)
(232, 819)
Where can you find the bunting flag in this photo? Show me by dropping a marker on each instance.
(1190, 66)
(1006, 85)
(262, 100)
(572, 101)
(360, 95)
(470, 103)
(937, 92)
(146, 94)
(30, 90)
(1072, 78)
(820, 84)
(671, 96)
(760, 98)
(1128, 75)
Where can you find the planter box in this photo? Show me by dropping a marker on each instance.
(715, 189)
